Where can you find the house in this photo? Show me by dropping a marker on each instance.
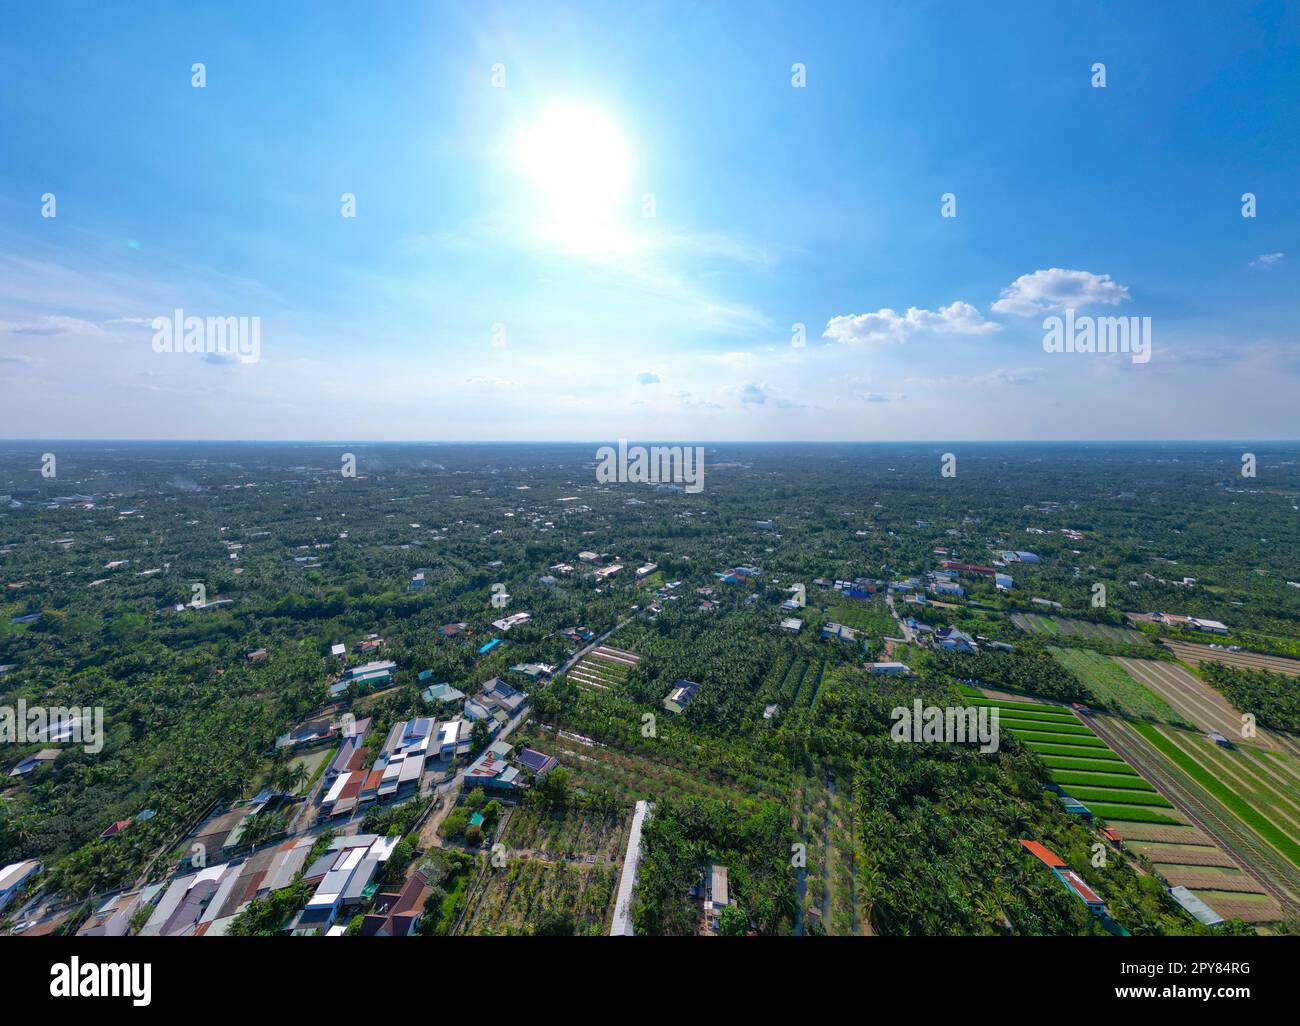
(398, 915)
(308, 733)
(114, 829)
(533, 671)
(954, 640)
(792, 625)
(339, 651)
(442, 693)
(453, 738)
(366, 676)
(1074, 883)
(492, 770)
(113, 917)
(1212, 626)
(947, 588)
(589, 557)
(401, 761)
(489, 646)
(838, 631)
(606, 572)
(257, 655)
(888, 668)
(450, 630)
(32, 762)
(344, 874)
(716, 897)
(646, 571)
(14, 876)
(770, 710)
(417, 582)
(513, 620)
(1003, 582)
(537, 763)
(683, 691)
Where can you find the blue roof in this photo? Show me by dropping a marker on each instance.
(489, 646)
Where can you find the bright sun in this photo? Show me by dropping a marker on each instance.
(577, 162)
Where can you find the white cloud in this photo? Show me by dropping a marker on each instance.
(1267, 260)
(888, 326)
(56, 325)
(647, 378)
(1056, 289)
(882, 397)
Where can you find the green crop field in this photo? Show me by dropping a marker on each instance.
(1113, 685)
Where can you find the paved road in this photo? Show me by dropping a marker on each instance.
(908, 634)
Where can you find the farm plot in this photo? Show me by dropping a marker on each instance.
(1084, 767)
(513, 898)
(1190, 652)
(1037, 623)
(1108, 786)
(1262, 793)
(632, 777)
(1113, 685)
(603, 668)
(1195, 701)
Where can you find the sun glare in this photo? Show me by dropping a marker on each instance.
(576, 161)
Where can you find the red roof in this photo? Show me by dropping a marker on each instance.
(1077, 884)
(1047, 856)
(1111, 834)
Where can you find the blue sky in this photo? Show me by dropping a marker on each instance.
(479, 293)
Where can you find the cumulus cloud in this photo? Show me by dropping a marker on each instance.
(646, 378)
(887, 326)
(1057, 289)
(751, 395)
(1267, 260)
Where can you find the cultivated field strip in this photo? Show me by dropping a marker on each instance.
(1037, 623)
(603, 668)
(1185, 855)
(1204, 879)
(1199, 703)
(1184, 835)
(1190, 652)
(1278, 877)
